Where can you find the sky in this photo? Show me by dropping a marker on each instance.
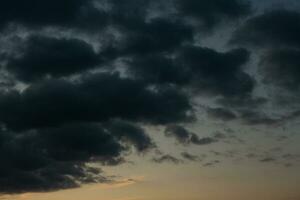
(149, 100)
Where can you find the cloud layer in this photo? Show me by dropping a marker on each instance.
(83, 78)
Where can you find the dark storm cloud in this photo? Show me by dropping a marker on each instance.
(158, 69)
(240, 102)
(80, 142)
(213, 12)
(281, 67)
(202, 141)
(158, 35)
(69, 13)
(54, 158)
(274, 28)
(132, 12)
(84, 15)
(202, 69)
(129, 12)
(217, 73)
(132, 133)
(161, 33)
(97, 97)
(221, 113)
(186, 137)
(58, 124)
(259, 118)
(36, 161)
(49, 131)
(180, 133)
(42, 56)
(277, 33)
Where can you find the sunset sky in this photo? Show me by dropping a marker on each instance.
(149, 100)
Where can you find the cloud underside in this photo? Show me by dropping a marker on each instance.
(281, 44)
(86, 76)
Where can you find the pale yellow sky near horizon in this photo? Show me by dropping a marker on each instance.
(239, 179)
(189, 182)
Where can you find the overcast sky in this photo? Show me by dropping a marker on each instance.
(149, 99)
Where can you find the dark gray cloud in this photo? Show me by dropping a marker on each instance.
(277, 33)
(49, 131)
(31, 162)
(132, 133)
(202, 141)
(221, 113)
(213, 12)
(281, 68)
(268, 159)
(180, 133)
(190, 157)
(87, 16)
(167, 159)
(159, 69)
(158, 35)
(58, 123)
(54, 158)
(72, 14)
(211, 163)
(42, 56)
(261, 30)
(260, 118)
(97, 97)
(220, 135)
(217, 73)
(242, 102)
(205, 70)
(186, 137)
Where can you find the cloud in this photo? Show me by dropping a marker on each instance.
(97, 97)
(268, 159)
(190, 157)
(279, 45)
(158, 69)
(158, 35)
(43, 56)
(201, 69)
(69, 13)
(221, 113)
(211, 163)
(260, 118)
(29, 167)
(132, 133)
(92, 15)
(121, 183)
(137, 63)
(55, 158)
(183, 136)
(261, 31)
(167, 159)
(213, 12)
(59, 126)
(217, 73)
(202, 141)
(242, 102)
(280, 67)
